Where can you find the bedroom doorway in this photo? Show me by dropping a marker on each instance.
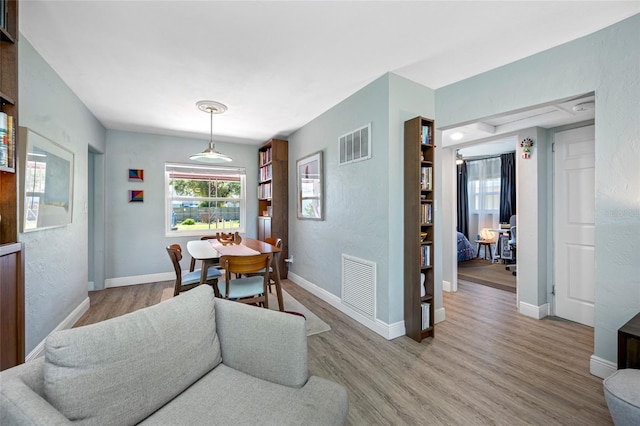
(483, 171)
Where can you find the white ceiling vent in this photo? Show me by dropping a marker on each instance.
(355, 145)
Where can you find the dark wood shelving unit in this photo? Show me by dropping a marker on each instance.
(11, 252)
(273, 193)
(419, 173)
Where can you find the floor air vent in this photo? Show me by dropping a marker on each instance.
(359, 285)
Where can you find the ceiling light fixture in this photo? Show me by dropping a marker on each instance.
(456, 136)
(210, 155)
(459, 159)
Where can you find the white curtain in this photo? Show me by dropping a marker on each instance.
(484, 195)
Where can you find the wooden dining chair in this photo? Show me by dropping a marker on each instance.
(277, 242)
(188, 280)
(249, 289)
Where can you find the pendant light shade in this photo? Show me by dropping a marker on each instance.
(210, 155)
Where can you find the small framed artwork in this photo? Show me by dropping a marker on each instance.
(136, 175)
(136, 196)
(310, 191)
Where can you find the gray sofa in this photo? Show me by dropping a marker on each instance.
(187, 361)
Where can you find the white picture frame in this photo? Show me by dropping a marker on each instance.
(46, 182)
(310, 187)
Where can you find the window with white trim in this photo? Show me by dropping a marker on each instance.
(202, 199)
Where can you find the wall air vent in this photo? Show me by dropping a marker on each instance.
(359, 285)
(355, 145)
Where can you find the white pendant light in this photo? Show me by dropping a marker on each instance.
(210, 155)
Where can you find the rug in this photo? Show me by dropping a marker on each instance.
(313, 324)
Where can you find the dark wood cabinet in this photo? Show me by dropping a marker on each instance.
(419, 173)
(629, 344)
(273, 195)
(11, 252)
(11, 305)
(9, 106)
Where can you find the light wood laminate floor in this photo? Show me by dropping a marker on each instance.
(488, 365)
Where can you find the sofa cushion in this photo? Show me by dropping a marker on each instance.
(121, 370)
(229, 397)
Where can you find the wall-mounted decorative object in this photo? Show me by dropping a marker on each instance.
(136, 175)
(46, 182)
(136, 196)
(526, 145)
(310, 191)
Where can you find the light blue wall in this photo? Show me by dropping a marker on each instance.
(605, 62)
(135, 240)
(56, 259)
(363, 200)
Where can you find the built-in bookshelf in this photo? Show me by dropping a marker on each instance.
(12, 337)
(273, 201)
(419, 150)
(8, 120)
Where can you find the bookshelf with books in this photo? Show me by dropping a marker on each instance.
(419, 151)
(8, 121)
(12, 337)
(273, 188)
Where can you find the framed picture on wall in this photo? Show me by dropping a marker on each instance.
(310, 191)
(46, 182)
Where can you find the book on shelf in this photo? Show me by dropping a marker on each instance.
(426, 213)
(264, 191)
(265, 156)
(425, 255)
(426, 178)
(265, 173)
(426, 315)
(426, 135)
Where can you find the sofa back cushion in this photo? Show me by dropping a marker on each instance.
(121, 370)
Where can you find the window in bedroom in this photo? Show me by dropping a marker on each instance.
(201, 200)
(484, 192)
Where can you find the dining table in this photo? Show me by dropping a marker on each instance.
(210, 250)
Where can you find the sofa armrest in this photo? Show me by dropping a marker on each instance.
(20, 403)
(267, 344)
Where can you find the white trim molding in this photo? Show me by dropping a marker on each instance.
(139, 279)
(388, 331)
(533, 311)
(68, 322)
(601, 367)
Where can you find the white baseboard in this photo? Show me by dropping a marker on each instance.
(439, 315)
(139, 279)
(446, 286)
(388, 331)
(533, 311)
(68, 322)
(602, 368)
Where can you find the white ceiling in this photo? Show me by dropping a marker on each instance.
(142, 65)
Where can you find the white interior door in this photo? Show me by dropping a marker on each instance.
(574, 220)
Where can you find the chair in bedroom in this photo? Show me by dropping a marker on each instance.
(513, 242)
